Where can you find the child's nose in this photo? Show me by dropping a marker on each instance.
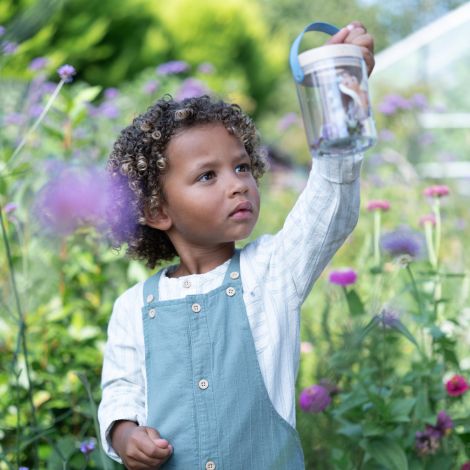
(237, 185)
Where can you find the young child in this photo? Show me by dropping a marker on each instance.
(201, 360)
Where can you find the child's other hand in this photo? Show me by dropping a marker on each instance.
(356, 33)
(140, 447)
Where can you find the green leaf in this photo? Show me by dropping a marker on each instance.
(387, 452)
(350, 430)
(402, 406)
(356, 307)
(368, 328)
(401, 328)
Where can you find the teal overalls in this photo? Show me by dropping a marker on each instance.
(205, 391)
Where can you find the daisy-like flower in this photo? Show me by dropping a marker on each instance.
(378, 205)
(456, 386)
(436, 191)
(343, 277)
(314, 399)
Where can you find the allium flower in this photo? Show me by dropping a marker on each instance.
(9, 47)
(403, 241)
(436, 191)
(427, 219)
(38, 63)
(191, 88)
(343, 277)
(173, 67)
(427, 442)
(314, 399)
(456, 386)
(378, 204)
(444, 423)
(66, 73)
(150, 87)
(87, 446)
(206, 67)
(287, 121)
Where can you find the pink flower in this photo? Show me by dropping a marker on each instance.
(427, 219)
(306, 347)
(465, 466)
(457, 386)
(314, 399)
(436, 191)
(378, 204)
(343, 277)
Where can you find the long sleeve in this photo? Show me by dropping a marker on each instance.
(123, 380)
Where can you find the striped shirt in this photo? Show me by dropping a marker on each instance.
(277, 273)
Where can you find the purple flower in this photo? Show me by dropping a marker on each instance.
(9, 47)
(427, 442)
(389, 318)
(402, 241)
(14, 119)
(23, 468)
(38, 63)
(36, 110)
(206, 67)
(392, 103)
(150, 87)
(418, 100)
(444, 423)
(386, 135)
(191, 88)
(87, 446)
(111, 93)
(173, 67)
(73, 198)
(66, 73)
(48, 87)
(287, 121)
(9, 208)
(343, 277)
(109, 110)
(314, 399)
(2, 30)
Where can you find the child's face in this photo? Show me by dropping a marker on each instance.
(211, 196)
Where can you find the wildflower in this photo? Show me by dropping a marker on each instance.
(306, 347)
(9, 208)
(465, 466)
(2, 30)
(36, 110)
(419, 101)
(403, 260)
(173, 67)
(456, 386)
(378, 204)
(343, 277)
(87, 446)
(108, 110)
(444, 423)
(287, 121)
(427, 442)
(23, 468)
(38, 63)
(402, 241)
(393, 103)
(427, 219)
(191, 88)
(436, 191)
(389, 318)
(150, 87)
(386, 135)
(206, 67)
(66, 72)
(14, 119)
(314, 399)
(9, 47)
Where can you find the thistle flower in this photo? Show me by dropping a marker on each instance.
(427, 219)
(436, 191)
(172, 68)
(403, 241)
(314, 399)
(66, 73)
(343, 277)
(87, 446)
(456, 386)
(378, 204)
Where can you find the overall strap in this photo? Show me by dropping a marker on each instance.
(150, 290)
(233, 270)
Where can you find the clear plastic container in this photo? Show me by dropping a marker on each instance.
(334, 99)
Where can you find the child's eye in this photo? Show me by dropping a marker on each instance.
(208, 175)
(243, 167)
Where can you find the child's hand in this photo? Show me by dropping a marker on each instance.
(356, 33)
(140, 447)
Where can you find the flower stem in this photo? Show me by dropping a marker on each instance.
(38, 121)
(377, 227)
(430, 245)
(437, 233)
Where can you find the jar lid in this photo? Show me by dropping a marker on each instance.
(330, 51)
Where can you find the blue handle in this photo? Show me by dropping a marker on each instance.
(294, 50)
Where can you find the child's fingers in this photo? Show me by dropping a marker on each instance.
(340, 36)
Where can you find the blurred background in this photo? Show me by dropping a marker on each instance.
(58, 276)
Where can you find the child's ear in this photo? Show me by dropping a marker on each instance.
(159, 219)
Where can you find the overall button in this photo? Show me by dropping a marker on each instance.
(149, 298)
(235, 275)
(152, 313)
(196, 308)
(210, 465)
(230, 291)
(187, 284)
(203, 384)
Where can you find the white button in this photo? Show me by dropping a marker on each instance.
(196, 308)
(150, 298)
(152, 313)
(187, 284)
(203, 384)
(210, 465)
(234, 275)
(230, 291)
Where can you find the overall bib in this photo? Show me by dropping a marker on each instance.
(205, 391)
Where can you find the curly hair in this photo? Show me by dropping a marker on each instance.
(139, 160)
